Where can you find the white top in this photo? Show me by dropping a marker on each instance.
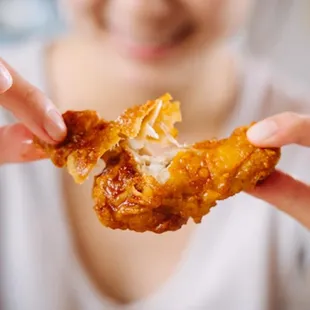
(280, 30)
(245, 255)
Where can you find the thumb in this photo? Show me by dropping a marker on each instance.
(287, 194)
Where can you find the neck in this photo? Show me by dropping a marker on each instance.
(209, 100)
(206, 94)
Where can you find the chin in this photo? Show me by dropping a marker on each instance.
(162, 75)
(157, 78)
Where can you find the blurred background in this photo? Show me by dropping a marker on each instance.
(21, 19)
(278, 31)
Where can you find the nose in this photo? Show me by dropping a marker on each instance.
(145, 17)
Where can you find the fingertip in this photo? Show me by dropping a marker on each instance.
(55, 126)
(262, 132)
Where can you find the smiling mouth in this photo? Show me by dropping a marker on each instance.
(149, 49)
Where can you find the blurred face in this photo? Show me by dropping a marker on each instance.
(157, 36)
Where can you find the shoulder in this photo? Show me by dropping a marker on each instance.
(267, 91)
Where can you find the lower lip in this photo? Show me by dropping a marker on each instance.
(143, 52)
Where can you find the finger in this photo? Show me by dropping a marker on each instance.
(16, 145)
(280, 130)
(287, 194)
(5, 79)
(33, 108)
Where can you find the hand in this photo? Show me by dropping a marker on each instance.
(280, 189)
(36, 113)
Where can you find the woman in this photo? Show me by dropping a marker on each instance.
(55, 254)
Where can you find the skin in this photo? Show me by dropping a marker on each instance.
(132, 46)
(19, 97)
(282, 190)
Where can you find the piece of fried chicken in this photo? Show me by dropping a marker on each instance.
(141, 192)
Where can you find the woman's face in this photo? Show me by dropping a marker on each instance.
(157, 35)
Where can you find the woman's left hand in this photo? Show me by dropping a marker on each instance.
(280, 189)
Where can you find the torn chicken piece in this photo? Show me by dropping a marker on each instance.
(142, 192)
(88, 138)
(151, 122)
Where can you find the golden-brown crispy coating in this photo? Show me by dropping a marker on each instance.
(199, 176)
(127, 199)
(141, 192)
(88, 138)
(152, 121)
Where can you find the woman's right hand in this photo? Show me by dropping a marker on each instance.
(36, 113)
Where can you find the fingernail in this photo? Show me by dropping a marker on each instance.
(262, 131)
(55, 126)
(5, 78)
